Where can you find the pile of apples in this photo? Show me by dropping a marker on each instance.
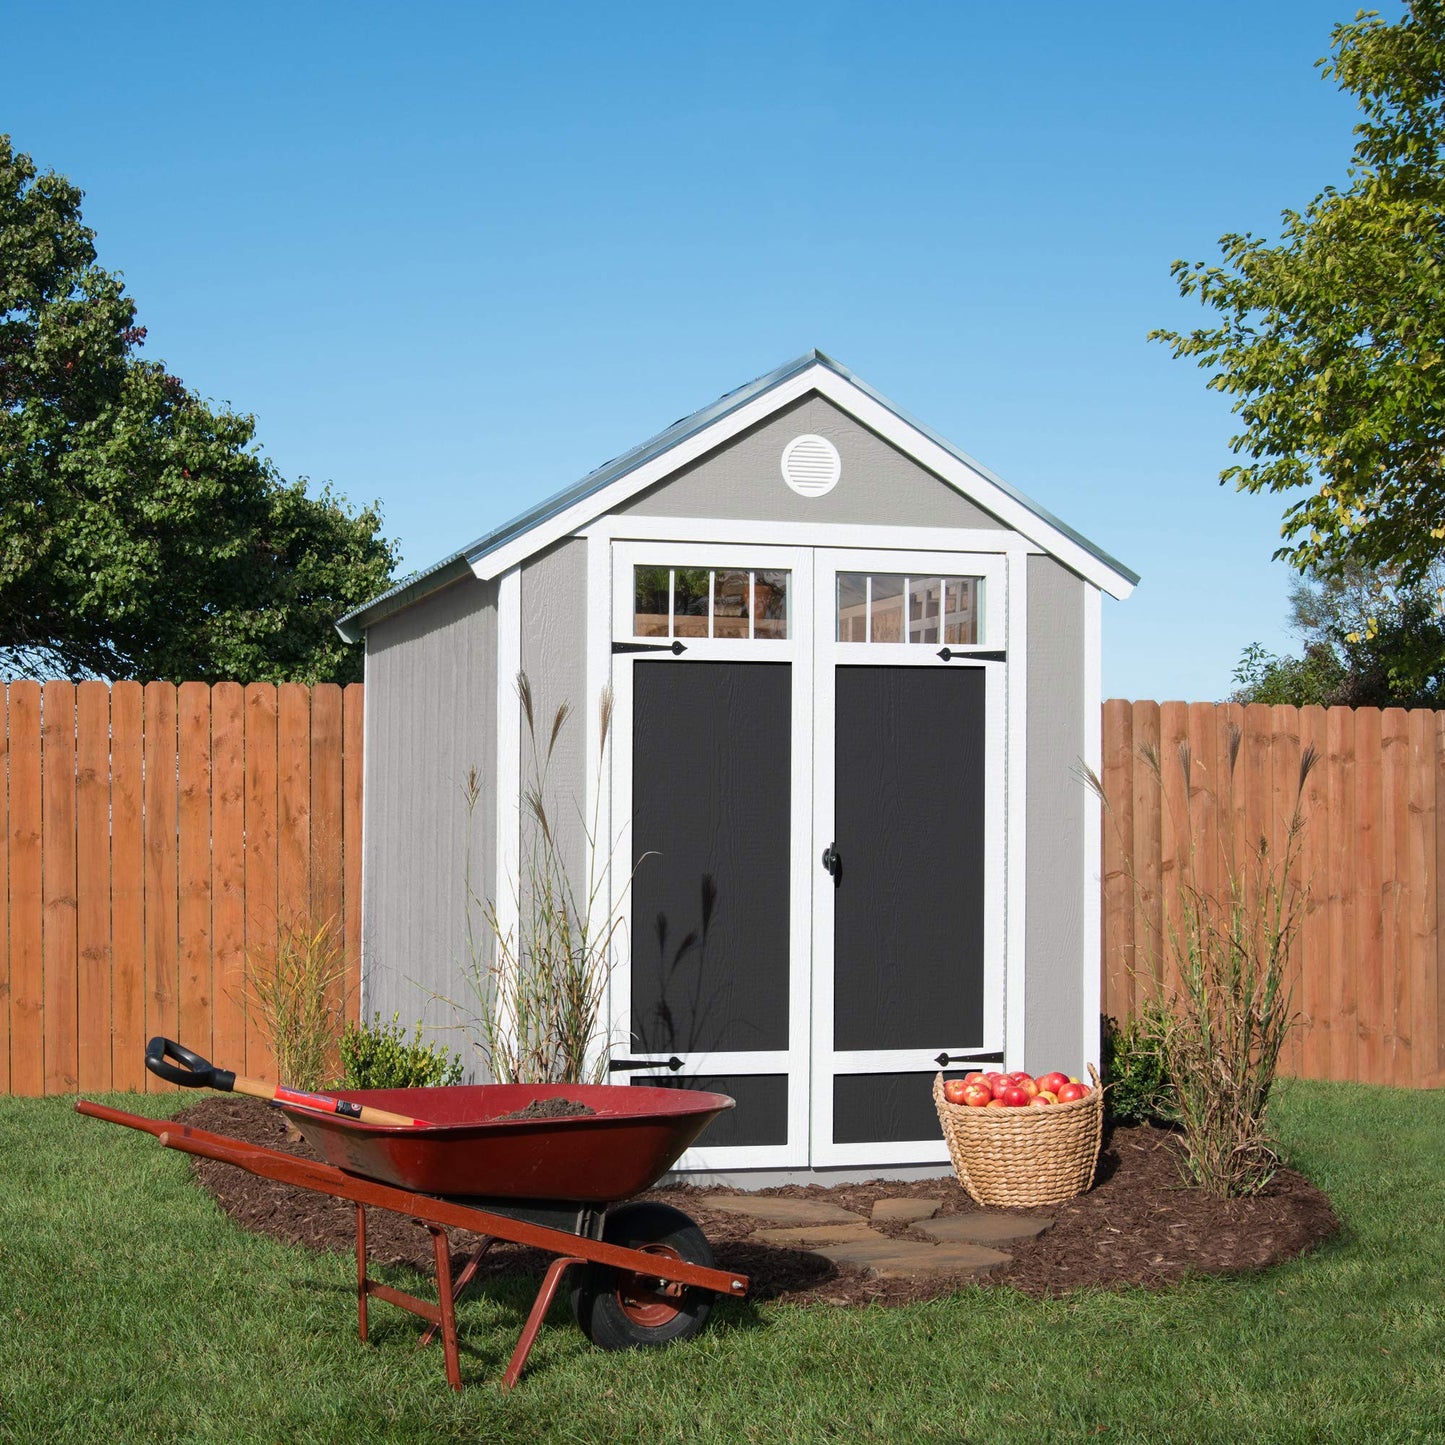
(1013, 1091)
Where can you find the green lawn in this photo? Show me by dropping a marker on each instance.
(131, 1309)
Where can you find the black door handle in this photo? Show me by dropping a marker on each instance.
(833, 861)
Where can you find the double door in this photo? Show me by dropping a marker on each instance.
(807, 798)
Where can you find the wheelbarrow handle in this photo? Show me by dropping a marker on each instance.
(200, 1073)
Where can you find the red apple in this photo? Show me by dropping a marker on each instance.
(994, 1104)
(1070, 1092)
(1053, 1082)
(1041, 1101)
(1014, 1097)
(953, 1090)
(1028, 1085)
(973, 1078)
(977, 1095)
(993, 1080)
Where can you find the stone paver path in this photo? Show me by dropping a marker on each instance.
(989, 1229)
(904, 1211)
(771, 1210)
(964, 1244)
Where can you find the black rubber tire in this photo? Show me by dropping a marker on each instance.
(611, 1309)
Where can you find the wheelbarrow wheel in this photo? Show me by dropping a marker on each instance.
(622, 1311)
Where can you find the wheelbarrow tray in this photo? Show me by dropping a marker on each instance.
(633, 1137)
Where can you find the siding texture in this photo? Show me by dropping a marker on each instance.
(1054, 906)
(431, 692)
(742, 480)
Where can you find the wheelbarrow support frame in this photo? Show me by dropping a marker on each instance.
(437, 1215)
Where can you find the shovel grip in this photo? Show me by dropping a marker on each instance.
(197, 1073)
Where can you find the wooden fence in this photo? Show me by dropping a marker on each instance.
(1370, 948)
(155, 839)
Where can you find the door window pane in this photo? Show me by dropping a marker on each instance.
(690, 601)
(886, 609)
(731, 603)
(652, 590)
(961, 609)
(770, 604)
(923, 599)
(872, 607)
(852, 607)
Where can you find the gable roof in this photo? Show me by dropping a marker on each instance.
(614, 482)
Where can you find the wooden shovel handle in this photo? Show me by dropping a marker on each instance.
(323, 1104)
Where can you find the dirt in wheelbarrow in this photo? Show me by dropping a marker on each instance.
(1139, 1225)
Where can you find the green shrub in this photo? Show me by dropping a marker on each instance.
(1135, 1071)
(379, 1056)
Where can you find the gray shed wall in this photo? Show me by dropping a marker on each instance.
(742, 480)
(1055, 819)
(430, 717)
(554, 657)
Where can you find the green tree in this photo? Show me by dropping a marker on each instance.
(1331, 340)
(141, 533)
(1368, 641)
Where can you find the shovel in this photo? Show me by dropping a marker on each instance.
(199, 1073)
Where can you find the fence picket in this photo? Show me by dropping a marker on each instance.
(261, 710)
(57, 846)
(193, 866)
(1312, 999)
(127, 885)
(27, 898)
(92, 886)
(228, 873)
(352, 774)
(159, 821)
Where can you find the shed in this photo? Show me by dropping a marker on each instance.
(855, 674)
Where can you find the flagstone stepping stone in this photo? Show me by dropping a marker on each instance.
(989, 1229)
(817, 1234)
(904, 1211)
(903, 1259)
(769, 1209)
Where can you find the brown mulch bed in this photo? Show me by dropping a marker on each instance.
(1139, 1225)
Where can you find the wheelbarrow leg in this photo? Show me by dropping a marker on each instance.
(459, 1285)
(540, 1306)
(361, 1269)
(441, 1251)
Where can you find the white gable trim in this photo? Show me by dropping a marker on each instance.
(863, 408)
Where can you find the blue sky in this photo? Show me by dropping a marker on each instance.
(454, 256)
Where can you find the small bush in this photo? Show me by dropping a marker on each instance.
(1135, 1070)
(379, 1056)
(299, 998)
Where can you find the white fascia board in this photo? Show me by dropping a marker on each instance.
(972, 483)
(844, 394)
(617, 493)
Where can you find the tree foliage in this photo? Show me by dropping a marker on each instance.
(1368, 641)
(142, 534)
(1331, 340)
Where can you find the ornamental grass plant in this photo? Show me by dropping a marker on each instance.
(1219, 984)
(300, 998)
(537, 986)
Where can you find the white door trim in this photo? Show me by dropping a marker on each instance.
(996, 636)
(796, 651)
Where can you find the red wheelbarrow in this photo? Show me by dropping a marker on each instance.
(644, 1273)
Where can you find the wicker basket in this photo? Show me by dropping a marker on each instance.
(1024, 1157)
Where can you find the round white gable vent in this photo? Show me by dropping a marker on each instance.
(811, 465)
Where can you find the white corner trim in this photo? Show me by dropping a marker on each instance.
(1016, 848)
(508, 848)
(1093, 822)
(367, 756)
(851, 399)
